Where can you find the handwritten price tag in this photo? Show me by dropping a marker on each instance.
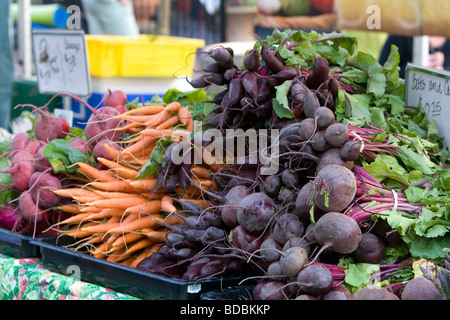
(61, 62)
(430, 89)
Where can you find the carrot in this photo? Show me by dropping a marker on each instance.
(201, 172)
(127, 262)
(167, 204)
(184, 114)
(76, 218)
(112, 195)
(122, 203)
(69, 208)
(143, 222)
(94, 173)
(101, 227)
(190, 125)
(139, 147)
(149, 207)
(156, 133)
(115, 186)
(141, 256)
(173, 106)
(100, 251)
(127, 238)
(144, 184)
(150, 109)
(71, 192)
(134, 118)
(141, 244)
(171, 122)
(158, 236)
(124, 172)
(158, 118)
(129, 126)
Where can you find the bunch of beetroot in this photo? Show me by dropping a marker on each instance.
(33, 177)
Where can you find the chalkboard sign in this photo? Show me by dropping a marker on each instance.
(61, 62)
(430, 89)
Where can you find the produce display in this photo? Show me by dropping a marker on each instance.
(357, 207)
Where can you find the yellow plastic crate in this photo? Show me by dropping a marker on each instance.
(143, 56)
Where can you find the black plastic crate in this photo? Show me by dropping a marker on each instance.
(123, 279)
(17, 245)
(241, 292)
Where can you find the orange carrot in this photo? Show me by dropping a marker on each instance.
(201, 172)
(101, 227)
(158, 118)
(139, 147)
(126, 239)
(122, 203)
(149, 109)
(167, 204)
(94, 173)
(171, 122)
(173, 106)
(184, 114)
(74, 192)
(141, 256)
(116, 186)
(156, 133)
(148, 207)
(190, 125)
(69, 208)
(143, 222)
(158, 236)
(144, 184)
(122, 171)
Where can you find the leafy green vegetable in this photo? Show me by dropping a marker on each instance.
(151, 168)
(63, 158)
(281, 103)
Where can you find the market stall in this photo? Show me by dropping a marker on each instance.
(304, 176)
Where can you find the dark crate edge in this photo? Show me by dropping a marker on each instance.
(151, 286)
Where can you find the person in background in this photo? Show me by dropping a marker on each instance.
(110, 17)
(6, 65)
(439, 52)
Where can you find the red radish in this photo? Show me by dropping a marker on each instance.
(114, 98)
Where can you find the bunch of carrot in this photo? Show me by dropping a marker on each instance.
(115, 216)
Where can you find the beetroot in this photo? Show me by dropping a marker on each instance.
(338, 232)
(49, 127)
(28, 208)
(420, 289)
(371, 249)
(116, 98)
(315, 279)
(40, 188)
(80, 145)
(230, 207)
(9, 217)
(336, 188)
(103, 124)
(373, 292)
(255, 211)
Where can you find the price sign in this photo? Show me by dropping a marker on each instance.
(430, 89)
(61, 62)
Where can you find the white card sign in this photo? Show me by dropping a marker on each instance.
(430, 89)
(61, 62)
